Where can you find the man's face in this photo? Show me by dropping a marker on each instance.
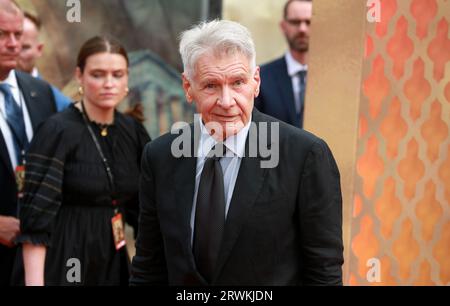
(296, 25)
(31, 47)
(11, 27)
(223, 88)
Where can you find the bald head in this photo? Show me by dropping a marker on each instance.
(10, 7)
(11, 29)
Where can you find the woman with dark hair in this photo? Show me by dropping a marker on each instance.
(81, 181)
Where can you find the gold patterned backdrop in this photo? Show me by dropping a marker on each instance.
(401, 203)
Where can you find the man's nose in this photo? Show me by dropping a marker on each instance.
(303, 26)
(226, 101)
(13, 41)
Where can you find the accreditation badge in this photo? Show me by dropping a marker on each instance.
(20, 180)
(118, 231)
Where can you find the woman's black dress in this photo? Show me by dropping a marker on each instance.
(67, 203)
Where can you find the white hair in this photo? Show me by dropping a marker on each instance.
(217, 37)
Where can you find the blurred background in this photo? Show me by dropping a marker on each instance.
(149, 29)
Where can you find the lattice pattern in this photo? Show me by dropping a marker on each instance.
(401, 212)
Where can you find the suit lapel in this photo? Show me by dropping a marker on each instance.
(30, 96)
(184, 192)
(284, 82)
(248, 186)
(184, 188)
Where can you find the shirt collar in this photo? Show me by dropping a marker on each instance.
(293, 66)
(11, 80)
(35, 73)
(235, 143)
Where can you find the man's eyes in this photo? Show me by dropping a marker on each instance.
(210, 86)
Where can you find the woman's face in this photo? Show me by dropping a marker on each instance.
(104, 80)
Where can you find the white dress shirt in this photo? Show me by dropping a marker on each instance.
(35, 73)
(11, 80)
(294, 68)
(230, 163)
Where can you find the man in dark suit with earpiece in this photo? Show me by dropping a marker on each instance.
(283, 81)
(24, 103)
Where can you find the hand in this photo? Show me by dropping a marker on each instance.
(9, 229)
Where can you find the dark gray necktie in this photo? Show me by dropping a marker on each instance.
(302, 87)
(209, 214)
(14, 118)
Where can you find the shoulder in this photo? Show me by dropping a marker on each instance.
(64, 121)
(59, 96)
(127, 120)
(161, 146)
(293, 148)
(129, 123)
(277, 64)
(33, 83)
(157, 155)
(290, 138)
(39, 91)
(159, 150)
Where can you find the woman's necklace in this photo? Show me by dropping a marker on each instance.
(103, 127)
(103, 130)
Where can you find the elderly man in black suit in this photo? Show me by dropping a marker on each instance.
(24, 104)
(238, 198)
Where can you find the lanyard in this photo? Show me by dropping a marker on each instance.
(102, 156)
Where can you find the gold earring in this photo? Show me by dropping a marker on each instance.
(80, 91)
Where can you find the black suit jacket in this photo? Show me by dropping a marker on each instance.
(276, 97)
(283, 225)
(40, 103)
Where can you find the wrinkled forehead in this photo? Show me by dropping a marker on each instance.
(8, 7)
(222, 57)
(221, 62)
(11, 22)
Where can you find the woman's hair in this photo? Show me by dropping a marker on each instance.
(99, 44)
(217, 37)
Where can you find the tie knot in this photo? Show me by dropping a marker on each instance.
(302, 74)
(217, 152)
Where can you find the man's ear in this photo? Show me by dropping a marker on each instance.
(257, 79)
(187, 88)
(283, 26)
(40, 48)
